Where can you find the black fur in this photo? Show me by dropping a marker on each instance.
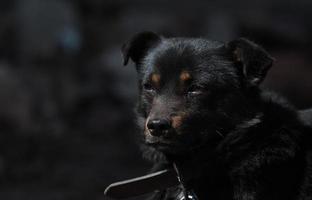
(241, 142)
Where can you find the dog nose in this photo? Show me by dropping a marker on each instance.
(157, 127)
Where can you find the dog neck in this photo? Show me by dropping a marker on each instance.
(197, 162)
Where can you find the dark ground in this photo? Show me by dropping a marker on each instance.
(66, 120)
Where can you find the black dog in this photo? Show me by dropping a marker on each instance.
(200, 105)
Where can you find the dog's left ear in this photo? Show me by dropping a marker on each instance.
(138, 46)
(253, 60)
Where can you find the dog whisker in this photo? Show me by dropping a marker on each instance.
(219, 133)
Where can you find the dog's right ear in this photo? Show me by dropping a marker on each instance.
(138, 45)
(253, 61)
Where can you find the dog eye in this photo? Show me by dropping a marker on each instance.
(194, 91)
(148, 87)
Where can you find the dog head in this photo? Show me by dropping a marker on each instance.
(192, 91)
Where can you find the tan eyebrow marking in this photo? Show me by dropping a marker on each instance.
(185, 76)
(155, 79)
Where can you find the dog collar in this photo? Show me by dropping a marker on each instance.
(150, 183)
(142, 185)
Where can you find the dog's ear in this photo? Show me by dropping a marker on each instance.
(253, 60)
(138, 45)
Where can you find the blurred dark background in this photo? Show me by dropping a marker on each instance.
(66, 103)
